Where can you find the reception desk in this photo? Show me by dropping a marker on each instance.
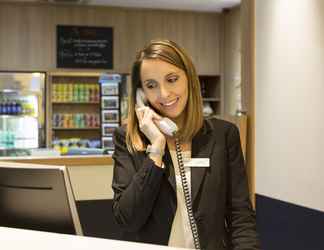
(91, 176)
(91, 179)
(18, 239)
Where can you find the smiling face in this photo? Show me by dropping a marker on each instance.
(165, 86)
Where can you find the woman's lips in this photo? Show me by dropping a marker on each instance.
(171, 104)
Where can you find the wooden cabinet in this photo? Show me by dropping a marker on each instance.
(212, 93)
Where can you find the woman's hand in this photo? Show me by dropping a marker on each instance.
(147, 117)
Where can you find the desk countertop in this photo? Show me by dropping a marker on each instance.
(75, 160)
(17, 239)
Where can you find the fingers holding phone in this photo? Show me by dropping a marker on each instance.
(147, 119)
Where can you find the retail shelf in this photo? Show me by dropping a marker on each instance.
(86, 103)
(57, 128)
(18, 116)
(211, 99)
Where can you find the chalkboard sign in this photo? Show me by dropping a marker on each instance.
(84, 47)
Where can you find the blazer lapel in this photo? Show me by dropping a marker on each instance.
(169, 169)
(201, 147)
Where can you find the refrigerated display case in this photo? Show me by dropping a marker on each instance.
(22, 110)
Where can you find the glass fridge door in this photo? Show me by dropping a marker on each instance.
(22, 110)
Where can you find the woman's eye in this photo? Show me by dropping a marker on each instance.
(173, 79)
(150, 85)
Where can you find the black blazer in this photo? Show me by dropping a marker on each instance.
(145, 201)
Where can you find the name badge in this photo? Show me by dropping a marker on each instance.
(197, 162)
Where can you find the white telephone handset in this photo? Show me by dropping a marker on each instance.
(167, 126)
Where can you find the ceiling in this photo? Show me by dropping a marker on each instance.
(192, 5)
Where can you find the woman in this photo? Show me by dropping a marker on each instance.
(149, 201)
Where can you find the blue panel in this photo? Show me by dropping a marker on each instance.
(285, 226)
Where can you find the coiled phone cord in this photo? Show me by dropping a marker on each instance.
(187, 196)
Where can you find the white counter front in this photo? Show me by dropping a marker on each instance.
(91, 176)
(19, 239)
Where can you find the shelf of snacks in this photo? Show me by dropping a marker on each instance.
(63, 145)
(75, 109)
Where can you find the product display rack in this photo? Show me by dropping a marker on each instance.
(75, 110)
(110, 89)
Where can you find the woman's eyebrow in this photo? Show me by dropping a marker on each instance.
(149, 81)
(172, 73)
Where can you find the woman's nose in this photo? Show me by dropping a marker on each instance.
(164, 91)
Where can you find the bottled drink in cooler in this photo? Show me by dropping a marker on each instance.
(9, 108)
(14, 108)
(4, 108)
(18, 108)
(1, 139)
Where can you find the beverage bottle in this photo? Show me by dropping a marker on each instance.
(12, 139)
(81, 92)
(87, 92)
(54, 93)
(9, 108)
(75, 93)
(79, 124)
(90, 92)
(29, 109)
(65, 92)
(78, 92)
(1, 139)
(60, 120)
(69, 120)
(82, 125)
(5, 108)
(23, 108)
(18, 108)
(70, 92)
(59, 92)
(14, 108)
(6, 140)
(61, 89)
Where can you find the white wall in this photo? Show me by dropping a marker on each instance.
(290, 101)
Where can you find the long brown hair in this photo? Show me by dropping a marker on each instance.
(170, 52)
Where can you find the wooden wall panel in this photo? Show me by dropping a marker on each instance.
(248, 84)
(28, 39)
(25, 38)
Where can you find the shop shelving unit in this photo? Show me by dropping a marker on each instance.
(76, 106)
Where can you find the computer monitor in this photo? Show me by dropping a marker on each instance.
(37, 197)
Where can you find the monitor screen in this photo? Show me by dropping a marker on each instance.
(37, 197)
